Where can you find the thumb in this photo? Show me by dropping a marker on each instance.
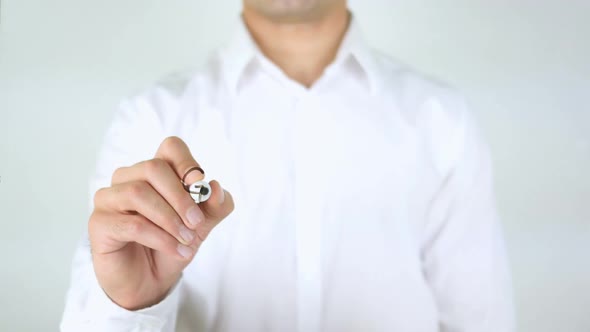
(219, 205)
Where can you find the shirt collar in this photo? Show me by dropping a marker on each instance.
(242, 50)
(354, 46)
(237, 54)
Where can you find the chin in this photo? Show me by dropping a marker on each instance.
(292, 10)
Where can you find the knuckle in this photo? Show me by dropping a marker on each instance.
(117, 174)
(94, 231)
(171, 142)
(92, 221)
(137, 189)
(155, 167)
(99, 196)
(134, 226)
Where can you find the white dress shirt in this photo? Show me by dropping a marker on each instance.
(363, 203)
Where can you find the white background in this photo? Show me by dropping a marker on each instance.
(524, 66)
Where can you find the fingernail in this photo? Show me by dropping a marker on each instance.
(184, 251)
(186, 234)
(194, 215)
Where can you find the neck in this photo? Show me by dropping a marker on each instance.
(301, 49)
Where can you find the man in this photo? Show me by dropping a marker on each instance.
(358, 195)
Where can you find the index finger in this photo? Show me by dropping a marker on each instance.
(177, 154)
(175, 151)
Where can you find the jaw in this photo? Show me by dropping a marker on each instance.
(293, 11)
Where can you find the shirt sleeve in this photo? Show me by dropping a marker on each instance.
(134, 135)
(88, 308)
(464, 254)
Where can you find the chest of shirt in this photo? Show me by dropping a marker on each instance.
(321, 184)
(349, 160)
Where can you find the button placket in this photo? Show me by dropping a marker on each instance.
(307, 221)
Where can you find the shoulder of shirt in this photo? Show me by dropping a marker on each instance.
(437, 111)
(177, 84)
(416, 92)
(166, 96)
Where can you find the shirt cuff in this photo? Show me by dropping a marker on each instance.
(105, 315)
